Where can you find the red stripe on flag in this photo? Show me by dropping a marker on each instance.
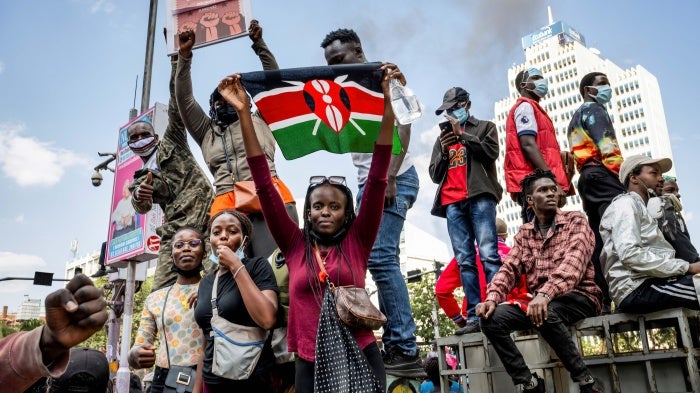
(287, 105)
(361, 102)
(282, 106)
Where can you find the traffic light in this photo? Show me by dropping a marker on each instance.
(413, 276)
(42, 278)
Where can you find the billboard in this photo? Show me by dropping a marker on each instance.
(132, 236)
(213, 21)
(565, 32)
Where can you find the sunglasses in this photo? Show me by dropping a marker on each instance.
(194, 243)
(316, 180)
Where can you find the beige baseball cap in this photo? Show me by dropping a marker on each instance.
(632, 162)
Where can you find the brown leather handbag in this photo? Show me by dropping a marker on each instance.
(355, 308)
(353, 305)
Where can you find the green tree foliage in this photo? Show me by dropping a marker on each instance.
(422, 298)
(6, 330)
(30, 324)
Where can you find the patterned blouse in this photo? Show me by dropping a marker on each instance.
(183, 333)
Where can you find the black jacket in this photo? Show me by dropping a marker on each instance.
(481, 140)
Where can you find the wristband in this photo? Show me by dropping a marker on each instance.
(549, 299)
(238, 271)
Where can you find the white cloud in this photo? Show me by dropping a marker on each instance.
(429, 136)
(31, 162)
(11, 263)
(19, 219)
(102, 5)
(18, 265)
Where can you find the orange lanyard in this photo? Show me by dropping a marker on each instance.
(323, 274)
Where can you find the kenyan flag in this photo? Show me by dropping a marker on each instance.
(334, 108)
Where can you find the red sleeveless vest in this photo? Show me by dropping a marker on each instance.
(516, 165)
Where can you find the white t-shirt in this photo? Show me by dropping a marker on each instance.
(123, 214)
(525, 122)
(363, 161)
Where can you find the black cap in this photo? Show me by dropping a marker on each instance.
(452, 97)
(87, 371)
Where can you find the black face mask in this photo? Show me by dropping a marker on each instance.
(224, 115)
(187, 273)
(328, 240)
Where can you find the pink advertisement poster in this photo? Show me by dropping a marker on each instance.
(212, 21)
(131, 236)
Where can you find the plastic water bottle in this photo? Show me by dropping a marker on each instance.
(404, 102)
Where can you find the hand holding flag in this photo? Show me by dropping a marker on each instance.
(233, 92)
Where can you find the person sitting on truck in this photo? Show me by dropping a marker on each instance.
(639, 264)
(553, 251)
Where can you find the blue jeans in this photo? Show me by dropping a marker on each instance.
(399, 329)
(469, 221)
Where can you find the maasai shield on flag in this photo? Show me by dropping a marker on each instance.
(334, 108)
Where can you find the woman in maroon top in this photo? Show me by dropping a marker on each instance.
(343, 240)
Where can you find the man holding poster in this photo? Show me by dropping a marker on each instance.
(218, 133)
(171, 178)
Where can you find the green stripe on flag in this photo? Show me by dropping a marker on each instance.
(297, 140)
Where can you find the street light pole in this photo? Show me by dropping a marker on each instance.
(123, 374)
(148, 63)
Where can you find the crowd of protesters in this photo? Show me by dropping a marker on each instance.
(629, 252)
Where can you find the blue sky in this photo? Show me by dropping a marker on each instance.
(67, 76)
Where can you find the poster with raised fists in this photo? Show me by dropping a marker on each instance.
(212, 21)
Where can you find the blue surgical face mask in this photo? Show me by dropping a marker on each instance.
(239, 253)
(541, 87)
(460, 114)
(604, 94)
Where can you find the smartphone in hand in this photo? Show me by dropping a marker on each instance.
(445, 127)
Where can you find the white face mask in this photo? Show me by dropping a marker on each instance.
(650, 191)
(144, 147)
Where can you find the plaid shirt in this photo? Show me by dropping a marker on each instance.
(555, 265)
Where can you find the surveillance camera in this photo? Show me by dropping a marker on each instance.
(96, 179)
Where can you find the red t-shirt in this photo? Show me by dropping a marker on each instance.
(454, 189)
